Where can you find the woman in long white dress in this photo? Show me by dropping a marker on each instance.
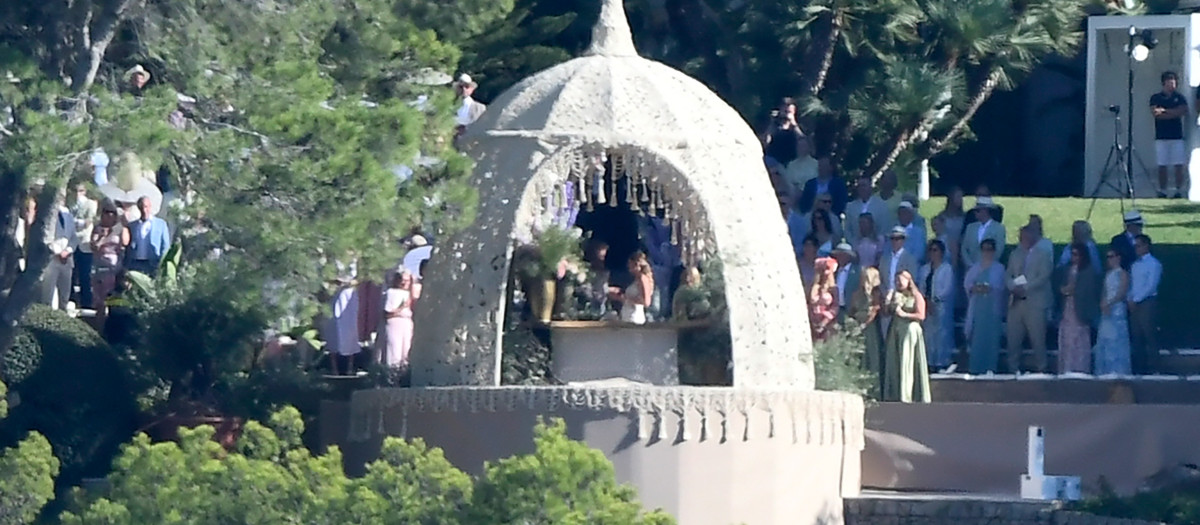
(1112, 338)
(637, 296)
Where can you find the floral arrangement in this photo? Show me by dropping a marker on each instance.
(554, 254)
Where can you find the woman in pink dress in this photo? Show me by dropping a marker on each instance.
(397, 307)
(823, 299)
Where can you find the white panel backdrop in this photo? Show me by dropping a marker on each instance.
(1108, 67)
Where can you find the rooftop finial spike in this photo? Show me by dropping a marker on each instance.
(611, 36)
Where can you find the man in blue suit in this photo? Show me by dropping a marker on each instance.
(827, 181)
(149, 240)
(1123, 242)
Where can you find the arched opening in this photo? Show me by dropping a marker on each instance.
(618, 201)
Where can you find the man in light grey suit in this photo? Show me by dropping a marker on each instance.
(897, 259)
(56, 279)
(1030, 268)
(983, 228)
(916, 235)
(866, 201)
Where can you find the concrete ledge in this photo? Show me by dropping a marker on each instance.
(875, 508)
(707, 455)
(980, 447)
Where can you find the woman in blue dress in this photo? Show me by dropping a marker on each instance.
(1112, 338)
(984, 283)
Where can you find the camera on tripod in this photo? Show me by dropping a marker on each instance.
(1114, 109)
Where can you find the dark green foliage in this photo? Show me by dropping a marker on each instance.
(199, 331)
(525, 359)
(269, 478)
(562, 483)
(22, 359)
(26, 474)
(1178, 504)
(837, 362)
(78, 397)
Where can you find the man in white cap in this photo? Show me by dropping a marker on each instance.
(915, 234)
(470, 110)
(984, 227)
(1123, 243)
(847, 275)
(898, 258)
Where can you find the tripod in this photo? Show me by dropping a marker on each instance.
(1122, 156)
(1117, 173)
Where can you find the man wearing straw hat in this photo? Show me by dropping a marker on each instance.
(137, 77)
(984, 227)
(847, 276)
(470, 111)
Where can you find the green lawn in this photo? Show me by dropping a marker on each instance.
(1174, 225)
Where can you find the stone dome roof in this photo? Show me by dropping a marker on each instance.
(659, 129)
(611, 94)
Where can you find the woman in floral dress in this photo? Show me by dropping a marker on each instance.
(1112, 338)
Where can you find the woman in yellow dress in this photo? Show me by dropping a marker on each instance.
(906, 370)
(864, 308)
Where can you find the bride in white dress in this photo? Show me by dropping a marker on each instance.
(638, 295)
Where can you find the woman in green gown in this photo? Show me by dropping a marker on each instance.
(865, 304)
(906, 370)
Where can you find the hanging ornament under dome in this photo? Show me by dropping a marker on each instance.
(590, 175)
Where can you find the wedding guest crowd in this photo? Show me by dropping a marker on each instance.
(908, 281)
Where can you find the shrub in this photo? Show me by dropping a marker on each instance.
(1174, 504)
(21, 359)
(78, 395)
(26, 475)
(837, 362)
(563, 482)
(270, 478)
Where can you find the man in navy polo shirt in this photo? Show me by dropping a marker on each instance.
(1169, 108)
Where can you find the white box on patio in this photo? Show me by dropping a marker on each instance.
(1064, 488)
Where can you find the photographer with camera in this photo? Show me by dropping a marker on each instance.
(782, 137)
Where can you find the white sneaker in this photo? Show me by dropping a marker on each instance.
(950, 369)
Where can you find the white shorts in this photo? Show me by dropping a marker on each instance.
(1170, 152)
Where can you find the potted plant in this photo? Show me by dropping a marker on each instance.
(552, 257)
(199, 334)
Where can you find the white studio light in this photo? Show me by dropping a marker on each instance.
(1140, 52)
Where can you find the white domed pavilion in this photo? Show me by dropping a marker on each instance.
(666, 132)
(768, 450)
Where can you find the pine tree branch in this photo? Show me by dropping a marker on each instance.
(877, 164)
(820, 58)
(95, 43)
(935, 145)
